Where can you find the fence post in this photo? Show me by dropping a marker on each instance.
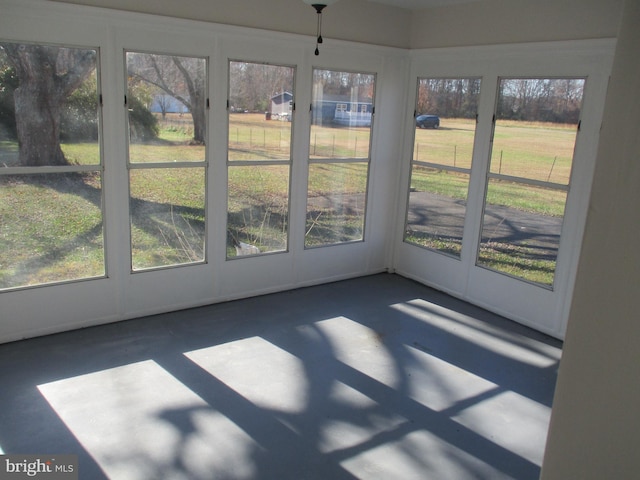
(552, 165)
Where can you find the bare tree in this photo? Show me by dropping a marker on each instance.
(47, 76)
(182, 78)
(448, 97)
(557, 100)
(254, 84)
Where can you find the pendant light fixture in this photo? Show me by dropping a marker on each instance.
(319, 5)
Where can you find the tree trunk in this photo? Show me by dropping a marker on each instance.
(47, 76)
(38, 125)
(199, 122)
(196, 103)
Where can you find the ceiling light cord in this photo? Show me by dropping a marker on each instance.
(319, 7)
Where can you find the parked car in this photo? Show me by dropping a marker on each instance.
(427, 121)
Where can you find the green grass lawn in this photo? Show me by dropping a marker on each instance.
(258, 206)
(519, 261)
(523, 197)
(48, 233)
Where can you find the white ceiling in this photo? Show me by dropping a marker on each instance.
(421, 4)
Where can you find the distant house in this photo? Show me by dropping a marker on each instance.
(281, 106)
(167, 104)
(343, 110)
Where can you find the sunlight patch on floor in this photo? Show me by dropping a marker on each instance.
(139, 422)
(260, 371)
(438, 384)
(486, 336)
(511, 420)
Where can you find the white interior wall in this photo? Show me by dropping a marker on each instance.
(595, 427)
(482, 22)
(352, 20)
(492, 22)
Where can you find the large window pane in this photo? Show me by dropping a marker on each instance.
(167, 216)
(532, 153)
(258, 209)
(50, 165)
(339, 152)
(166, 112)
(50, 228)
(166, 101)
(261, 109)
(342, 114)
(48, 106)
(535, 128)
(445, 126)
(336, 203)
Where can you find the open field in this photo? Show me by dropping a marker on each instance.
(251, 137)
(536, 151)
(450, 145)
(540, 151)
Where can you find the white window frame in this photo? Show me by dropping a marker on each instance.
(248, 163)
(133, 166)
(42, 170)
(312, 161)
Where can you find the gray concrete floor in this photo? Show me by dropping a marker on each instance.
(372, 378)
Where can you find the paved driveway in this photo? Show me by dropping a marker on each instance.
(443, 216)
